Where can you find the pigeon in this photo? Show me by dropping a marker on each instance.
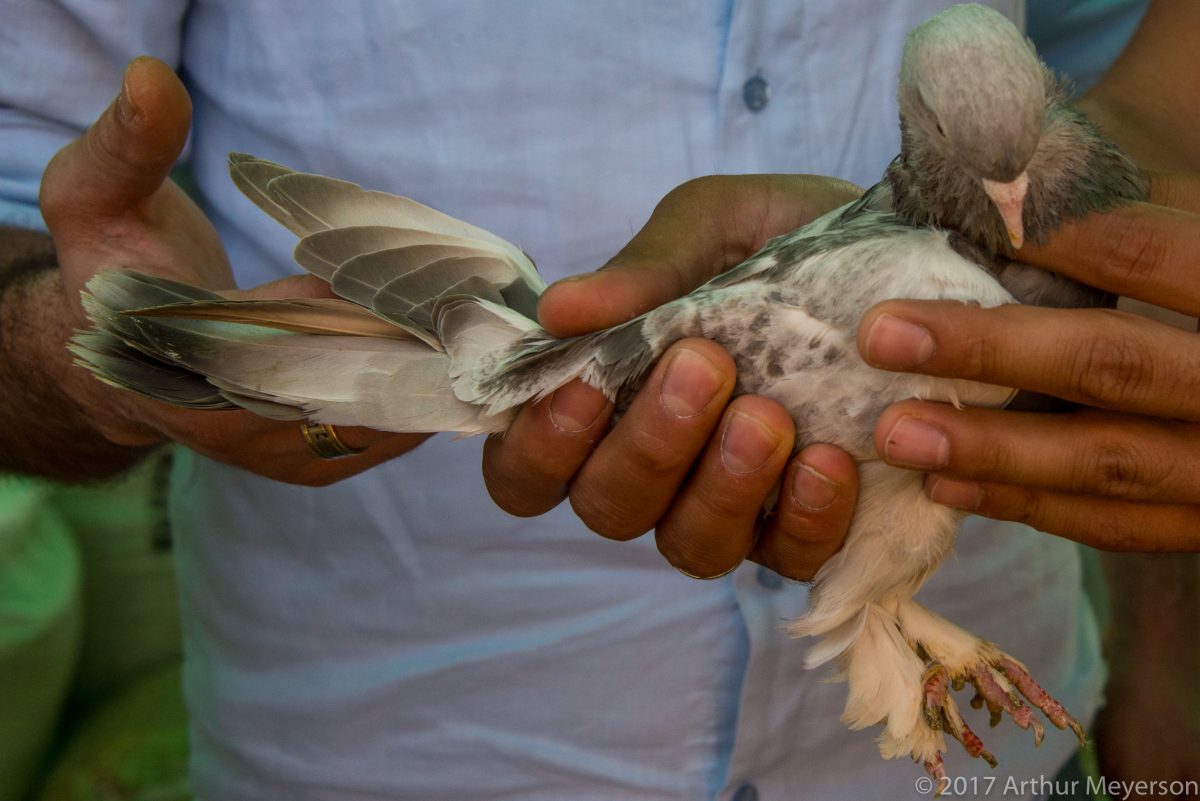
(434, 329)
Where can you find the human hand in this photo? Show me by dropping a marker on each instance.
(108, 203)
(684, 459)
(1122, 473)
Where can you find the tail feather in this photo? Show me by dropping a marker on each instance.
(116, 364)
(302, 315)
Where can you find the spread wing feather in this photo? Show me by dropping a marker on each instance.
(370, 357)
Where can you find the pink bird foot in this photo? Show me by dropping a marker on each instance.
(954, 658)
(997, 679)
(1055, 712)
(941, 713)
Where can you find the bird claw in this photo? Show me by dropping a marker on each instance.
(941, 713)
(937, 771)
(1000, 682)
(1000, 699)
(1055, 712)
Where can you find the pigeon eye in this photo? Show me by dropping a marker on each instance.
(940, 130)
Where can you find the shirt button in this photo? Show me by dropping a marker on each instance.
(768, 579)
(756, 92)
(747, 792)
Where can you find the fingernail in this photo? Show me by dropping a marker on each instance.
(126, 108)
(576, 408)
(893, 342)
(915, 443)
(691, 382)
(965, 495)
(747, 444)
(812, 489)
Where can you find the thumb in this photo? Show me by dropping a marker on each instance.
(124, 157)
(700, 229)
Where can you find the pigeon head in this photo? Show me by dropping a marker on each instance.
(973, 106)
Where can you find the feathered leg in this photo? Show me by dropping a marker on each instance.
(899, 659)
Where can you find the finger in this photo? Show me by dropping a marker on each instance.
(713, 523)
(1084, 452)
(1142, 251)
(375, 448)
(1095, 357)
(812, 514)
(1176, 190)
(271, 448)
(701, 228)
(635, 472)
(125, 155)
(528, 468)
(1103, 523)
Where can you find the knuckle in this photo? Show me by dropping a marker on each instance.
(1111, 370)
(1013, 502)
(1116, 468)
(1137, 252)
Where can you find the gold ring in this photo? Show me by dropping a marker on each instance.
(323, 441)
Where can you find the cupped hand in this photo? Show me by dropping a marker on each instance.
(108, 203)
(686, 459)
(1123, 471)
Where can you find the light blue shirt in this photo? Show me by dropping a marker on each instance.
(396, 637)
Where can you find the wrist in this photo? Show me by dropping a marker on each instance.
(55, 420)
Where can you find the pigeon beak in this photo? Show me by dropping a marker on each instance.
(1010, 201)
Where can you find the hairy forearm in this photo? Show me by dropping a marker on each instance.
(44, 425)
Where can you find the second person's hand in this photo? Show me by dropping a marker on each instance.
(686, 459)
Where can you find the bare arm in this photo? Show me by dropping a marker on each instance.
(1149, 102)
(58, 441)
(108, 203)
